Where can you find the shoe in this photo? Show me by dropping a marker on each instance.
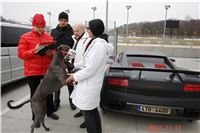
(53, 116)
(73, 107)
(83, 125)
(37, 125)
(78, 114)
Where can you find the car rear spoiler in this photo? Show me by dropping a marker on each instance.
(157, 70)
(173, 71)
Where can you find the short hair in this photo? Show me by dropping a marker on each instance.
(79, 24)
(63, 15)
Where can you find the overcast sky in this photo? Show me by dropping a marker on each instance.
(80, 10)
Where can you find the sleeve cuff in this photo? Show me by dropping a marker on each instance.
(76, 77)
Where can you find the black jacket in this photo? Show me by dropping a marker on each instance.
(63, 36)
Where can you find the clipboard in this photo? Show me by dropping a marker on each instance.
(45, 46)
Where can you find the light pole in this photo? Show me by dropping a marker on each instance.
(106, 16)
(49, 13)
(127, 7)
(67, 11)
(85, 23)
(94, 9)
(166, 7)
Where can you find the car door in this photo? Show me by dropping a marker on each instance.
(12, 36)
(5, 60)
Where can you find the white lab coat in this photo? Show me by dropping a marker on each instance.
(82, 43)
(86, 95)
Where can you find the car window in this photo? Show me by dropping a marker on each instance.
(13, 35)
(3, 42)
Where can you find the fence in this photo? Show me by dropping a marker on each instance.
(171, 47)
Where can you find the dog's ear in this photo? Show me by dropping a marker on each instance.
(66, 48)
(63, 47)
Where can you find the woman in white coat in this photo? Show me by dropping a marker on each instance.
(86, 94)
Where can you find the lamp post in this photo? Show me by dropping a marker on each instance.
(85, 23)
(166, 7)
(49, 13)
(127, 7)
(67, 11)
(94, 9)
(106, 16)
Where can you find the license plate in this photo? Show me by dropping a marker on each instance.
(154, 109)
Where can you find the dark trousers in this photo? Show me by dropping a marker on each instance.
(33, 82)
(57, 95)
(92, 120)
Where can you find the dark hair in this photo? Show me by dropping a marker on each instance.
(104, 36)
(63, 15)
(96, 26)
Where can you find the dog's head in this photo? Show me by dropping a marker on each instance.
(67, 53)
(63, 49)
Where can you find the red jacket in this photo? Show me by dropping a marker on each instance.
(33, 63)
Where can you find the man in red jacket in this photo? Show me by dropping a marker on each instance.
(35, 66)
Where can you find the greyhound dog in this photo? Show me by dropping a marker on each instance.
(53, 81)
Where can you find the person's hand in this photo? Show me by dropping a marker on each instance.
(70, 80)
(38, 46)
